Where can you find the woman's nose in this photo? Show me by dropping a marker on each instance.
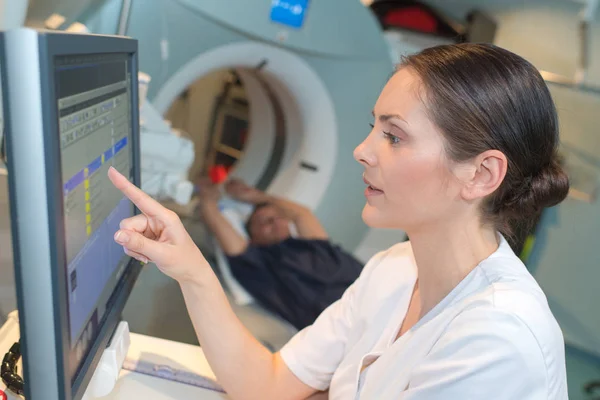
(363, 153)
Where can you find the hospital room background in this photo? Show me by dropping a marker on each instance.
(282, 106)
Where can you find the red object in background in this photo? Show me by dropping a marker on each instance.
(412, 18)
(217, 174)
(2, 395)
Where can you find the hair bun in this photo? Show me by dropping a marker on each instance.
(547, 188)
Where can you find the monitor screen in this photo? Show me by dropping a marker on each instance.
(71, 112)
(93, 100)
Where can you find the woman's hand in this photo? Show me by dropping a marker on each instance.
(157, 235)
(238, 190)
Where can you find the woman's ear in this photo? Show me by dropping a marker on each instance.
(487, 173)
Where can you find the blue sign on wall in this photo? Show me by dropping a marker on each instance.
(289, 12)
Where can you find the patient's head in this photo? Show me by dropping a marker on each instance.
(268, 225)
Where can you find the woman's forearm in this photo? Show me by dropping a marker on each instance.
(243, 366)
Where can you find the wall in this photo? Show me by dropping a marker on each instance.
(535, 29)
(565, 259)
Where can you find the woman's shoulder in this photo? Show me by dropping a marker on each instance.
(502, 300)
(510, 288)
(512, 313)
(497, 341)
(506, 306)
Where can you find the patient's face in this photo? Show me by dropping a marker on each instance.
(268, 225)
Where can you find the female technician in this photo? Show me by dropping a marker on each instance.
(464, 144)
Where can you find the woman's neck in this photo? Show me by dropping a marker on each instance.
(446, 256)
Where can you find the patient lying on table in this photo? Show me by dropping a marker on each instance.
(294, 277)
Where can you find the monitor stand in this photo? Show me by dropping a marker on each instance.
(107, 372)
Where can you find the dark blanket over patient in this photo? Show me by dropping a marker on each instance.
(297, 278)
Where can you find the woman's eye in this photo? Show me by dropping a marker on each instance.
(372, 126)
(393, 139)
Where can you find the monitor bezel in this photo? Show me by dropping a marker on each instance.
(48, 46)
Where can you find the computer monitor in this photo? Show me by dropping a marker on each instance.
(71, 111)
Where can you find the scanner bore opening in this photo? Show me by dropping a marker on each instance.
(233, 116)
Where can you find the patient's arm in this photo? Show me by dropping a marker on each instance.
(230, 240)
(306, 222)
(308, 225)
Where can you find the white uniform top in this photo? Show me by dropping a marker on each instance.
(492, 337)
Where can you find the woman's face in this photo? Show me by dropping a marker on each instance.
(410, 182)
